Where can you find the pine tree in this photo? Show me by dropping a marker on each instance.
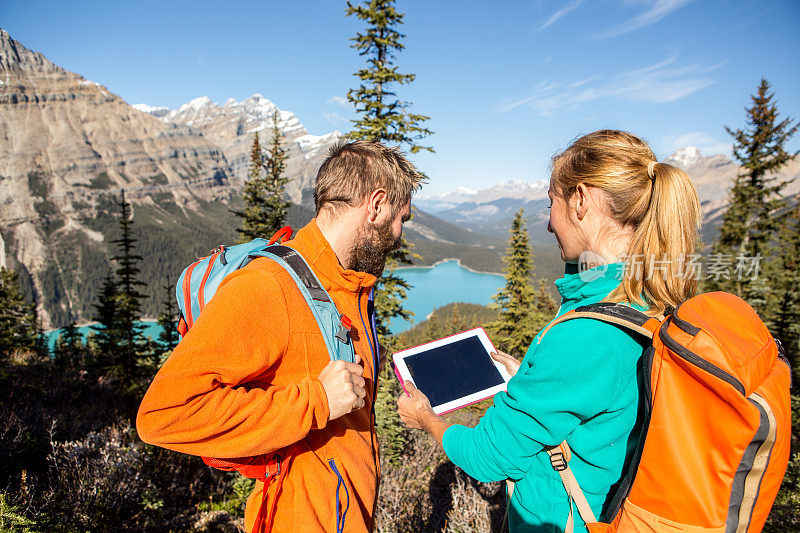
(749, 225)
(521, 307)
(253, 195)
(390, 293)
(277, 206)
(19, 329)
(386, 119)
(393, 434)
(129, 298)
(106, 338)
(167, 319)
(265, 204)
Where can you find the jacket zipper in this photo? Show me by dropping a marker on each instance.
(373, 437)
(371, 337)
(696, 360)
(341, 515)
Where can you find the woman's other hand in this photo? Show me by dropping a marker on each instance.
(508, 361)
(414, 407)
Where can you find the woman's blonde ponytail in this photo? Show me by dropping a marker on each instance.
(656, 200)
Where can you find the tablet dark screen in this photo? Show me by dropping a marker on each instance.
(453, 371)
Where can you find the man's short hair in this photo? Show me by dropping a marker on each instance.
(352, 170)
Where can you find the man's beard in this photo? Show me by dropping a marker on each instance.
(372, 247)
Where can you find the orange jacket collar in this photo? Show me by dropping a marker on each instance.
(317, 251)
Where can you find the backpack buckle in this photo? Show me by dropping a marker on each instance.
(276, 460)
(344, 330)
(558, 461)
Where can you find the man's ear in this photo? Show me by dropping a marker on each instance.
(377, 203)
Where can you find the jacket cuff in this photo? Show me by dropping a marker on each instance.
(318, 402)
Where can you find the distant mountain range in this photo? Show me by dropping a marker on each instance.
(490, 210)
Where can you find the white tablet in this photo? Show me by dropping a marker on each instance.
(453, 372)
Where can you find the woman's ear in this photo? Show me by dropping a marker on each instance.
(581, 200)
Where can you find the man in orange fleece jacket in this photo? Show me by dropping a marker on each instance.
(253, 375)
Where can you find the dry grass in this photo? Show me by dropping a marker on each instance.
(430, 494)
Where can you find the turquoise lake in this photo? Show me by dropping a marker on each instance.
(442, 284)
(434, 287)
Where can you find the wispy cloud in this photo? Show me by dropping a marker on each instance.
(659, 83)
(571, 6)
(657, 10)
(707, 144)
(337, 100)
(333, 117)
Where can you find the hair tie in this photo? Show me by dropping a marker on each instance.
(651, 170)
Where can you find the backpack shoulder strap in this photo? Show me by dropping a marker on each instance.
(613, 313)
(559, 459)
(290, 257)
(340, 347)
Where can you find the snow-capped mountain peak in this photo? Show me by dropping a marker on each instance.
(686, 156)
(196, 104)
(310, 144)
(153, 110)
(512, 189)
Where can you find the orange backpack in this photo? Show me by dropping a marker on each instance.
(716, 437)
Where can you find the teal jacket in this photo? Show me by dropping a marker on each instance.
(582, 383)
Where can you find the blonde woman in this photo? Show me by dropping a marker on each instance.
(638, 219)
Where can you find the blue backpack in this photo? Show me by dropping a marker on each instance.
(200, 280)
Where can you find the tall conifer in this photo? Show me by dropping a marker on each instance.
(522, 308)
(384, 118)
(265, 206)
(129, 297)
(253, 195)
(18, 320)
(749, 224)
(276, 202)
(107, 335)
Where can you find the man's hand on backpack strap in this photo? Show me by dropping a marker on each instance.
(344, 386)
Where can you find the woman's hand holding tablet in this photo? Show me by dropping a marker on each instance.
(453, 372)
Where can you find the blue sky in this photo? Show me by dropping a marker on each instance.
(506, 84)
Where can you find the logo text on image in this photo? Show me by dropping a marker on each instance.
(591, 266)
